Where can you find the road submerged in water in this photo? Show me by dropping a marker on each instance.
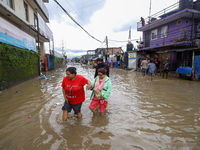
(163, 114)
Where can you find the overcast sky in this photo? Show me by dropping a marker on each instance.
(100, 18)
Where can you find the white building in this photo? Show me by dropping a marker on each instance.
(19, 23)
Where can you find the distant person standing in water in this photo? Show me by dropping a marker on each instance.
(152, 67)
(73, 92)
(157, 63)
(144, 65)
(167, 66)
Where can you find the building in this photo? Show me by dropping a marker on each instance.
(23, 24)
(173, 33)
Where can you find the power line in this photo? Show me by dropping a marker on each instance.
(75, 12)
(124, 41)
(77, 22)
(90, 5)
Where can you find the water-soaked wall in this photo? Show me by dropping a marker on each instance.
(16, 65)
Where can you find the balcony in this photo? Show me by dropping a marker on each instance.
(40, 7)
(173, 12)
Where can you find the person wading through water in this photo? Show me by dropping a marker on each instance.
(101, 89)
(73, 92)
(167, 66)
(100, 64)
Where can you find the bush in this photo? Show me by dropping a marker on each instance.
(16, 65)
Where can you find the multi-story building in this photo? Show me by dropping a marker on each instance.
(173, 33)
(23, 24)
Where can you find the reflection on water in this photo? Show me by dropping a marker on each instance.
(163, 114)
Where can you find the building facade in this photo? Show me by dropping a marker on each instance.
(23, 24)
(173, 33)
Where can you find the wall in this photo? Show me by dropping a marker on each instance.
(17, 65)
(174, 33)
(18, 10)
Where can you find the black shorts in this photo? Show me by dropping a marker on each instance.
(69, 107)
(166, 71)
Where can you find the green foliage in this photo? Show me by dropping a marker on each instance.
(58, 62)
(17, 64)
(76, 59)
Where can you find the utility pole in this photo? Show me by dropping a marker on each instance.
(62, 46)
(106, 47)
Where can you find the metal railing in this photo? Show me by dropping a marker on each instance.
(169, 11)
(43, 7)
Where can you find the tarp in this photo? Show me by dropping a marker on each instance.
(197, 66)
(184, 70)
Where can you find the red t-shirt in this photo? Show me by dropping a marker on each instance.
(77, 94)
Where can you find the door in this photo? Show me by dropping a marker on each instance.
(147, 39)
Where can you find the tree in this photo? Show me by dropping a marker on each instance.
(76, 59)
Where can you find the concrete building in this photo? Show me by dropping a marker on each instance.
(23, 24)
(173, 33)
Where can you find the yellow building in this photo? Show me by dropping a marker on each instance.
(23, 24)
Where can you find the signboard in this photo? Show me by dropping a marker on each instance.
(132, 55)
(132, 60)
(12, 35)
(43, 26)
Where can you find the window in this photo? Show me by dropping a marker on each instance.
(164, 31)
(26, 11)
(154, 34)
(35, 21)
(187, 21)
(9, 3)
(179, 22)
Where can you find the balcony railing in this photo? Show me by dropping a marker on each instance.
(176, 37)
(169, 11)
(43, 7)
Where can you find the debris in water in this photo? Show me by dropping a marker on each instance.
(0, 92)
(138, 131)
(158, 140)
(38, 105)
(100, 132)
(41, 97)
(58, 82)
(18, 91)
(29, 116)
(58, 103)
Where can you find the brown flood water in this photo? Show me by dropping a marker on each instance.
(163, 114)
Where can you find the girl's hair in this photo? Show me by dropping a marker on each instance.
(72, 70)
(102, 70)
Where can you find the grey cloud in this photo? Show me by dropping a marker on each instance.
(126, 26)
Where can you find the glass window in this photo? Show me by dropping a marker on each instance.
(9, 3)
(164, 31)
(26, 11)
(154, 34)
(35, 21)
(179, 22)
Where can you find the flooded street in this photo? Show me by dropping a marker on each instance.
(163, 114)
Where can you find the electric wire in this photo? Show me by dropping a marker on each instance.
(124, 41)
(76, 13)
(77, 22)
(90, 5)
